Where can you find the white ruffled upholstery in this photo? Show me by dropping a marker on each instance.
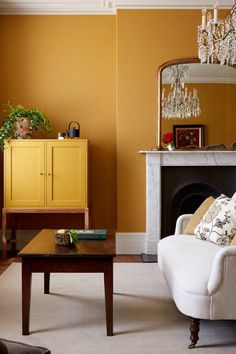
(200, 274)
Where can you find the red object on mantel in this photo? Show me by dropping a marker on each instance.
(168, 137)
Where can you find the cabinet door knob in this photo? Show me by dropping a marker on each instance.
(49, 174)
(41, 173)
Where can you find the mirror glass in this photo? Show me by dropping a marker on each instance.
(216, 89)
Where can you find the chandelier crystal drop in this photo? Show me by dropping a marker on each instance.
(179, 103)
(217, 38)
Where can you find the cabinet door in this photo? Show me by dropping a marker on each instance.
(24, 173)
(67, 173)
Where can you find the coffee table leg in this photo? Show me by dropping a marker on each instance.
(13, 232)
(26, 294)
(4, 234)
(46, 283)
(108, 283)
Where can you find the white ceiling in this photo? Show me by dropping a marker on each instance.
(99, 6)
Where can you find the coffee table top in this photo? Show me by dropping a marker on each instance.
(43, 245)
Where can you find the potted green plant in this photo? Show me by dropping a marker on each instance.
(21, 122)
(66, 237)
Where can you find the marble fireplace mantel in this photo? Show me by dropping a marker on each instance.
(154, 162)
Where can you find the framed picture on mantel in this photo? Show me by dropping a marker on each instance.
(189, 136)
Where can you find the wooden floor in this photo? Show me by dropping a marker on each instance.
(121, 259)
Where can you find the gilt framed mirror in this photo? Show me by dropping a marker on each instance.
(215, 87)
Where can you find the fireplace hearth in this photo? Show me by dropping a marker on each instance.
(177, 182)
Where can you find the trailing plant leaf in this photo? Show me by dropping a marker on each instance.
(73, 236)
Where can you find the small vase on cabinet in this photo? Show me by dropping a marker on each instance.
(171, 147)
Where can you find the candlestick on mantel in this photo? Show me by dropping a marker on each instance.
(215, 12)
(204, 18)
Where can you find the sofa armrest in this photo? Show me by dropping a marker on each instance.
(181, 222)
(223, 269)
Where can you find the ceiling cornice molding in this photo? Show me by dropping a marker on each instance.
(56, 7)
(73, 7)
(170, 4)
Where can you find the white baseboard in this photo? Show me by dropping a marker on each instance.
(131, 243)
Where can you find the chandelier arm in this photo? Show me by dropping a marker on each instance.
(228, 33)
(231, 11)
(213, 43)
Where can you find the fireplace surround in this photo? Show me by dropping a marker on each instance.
(178, 181)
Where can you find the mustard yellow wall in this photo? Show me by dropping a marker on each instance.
(66, 66)
(100, 70)
(145, 40)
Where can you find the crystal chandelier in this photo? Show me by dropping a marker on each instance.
(217, 38)
(179, 103)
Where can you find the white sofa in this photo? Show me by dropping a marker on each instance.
(201, 276)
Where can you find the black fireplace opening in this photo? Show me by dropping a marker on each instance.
(183, 189)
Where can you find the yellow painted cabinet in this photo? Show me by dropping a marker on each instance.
(50, 173)
(66, 165)
(24, 171)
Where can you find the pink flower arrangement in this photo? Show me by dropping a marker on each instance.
(168, 138)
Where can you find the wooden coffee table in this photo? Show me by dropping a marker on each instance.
(41, 255)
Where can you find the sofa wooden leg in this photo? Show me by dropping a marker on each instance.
(194, 330)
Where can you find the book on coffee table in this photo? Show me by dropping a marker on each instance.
(96, 234)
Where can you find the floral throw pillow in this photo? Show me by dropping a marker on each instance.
(218, 225)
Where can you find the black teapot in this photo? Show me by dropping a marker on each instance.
(73, 131)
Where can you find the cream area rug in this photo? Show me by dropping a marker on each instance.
(71, 320)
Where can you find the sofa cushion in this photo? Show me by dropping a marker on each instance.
(233, 242)
(190, 258)
(21, 348)
(218, 225)
(198, 215)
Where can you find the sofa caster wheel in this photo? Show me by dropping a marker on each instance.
(194, 330)
(191, 346)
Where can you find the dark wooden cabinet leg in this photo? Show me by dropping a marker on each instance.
(4, 234)
(108, 283)
(86, 219)
(46, 283)
(13, 233)
(194, 330)
(26, 294)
